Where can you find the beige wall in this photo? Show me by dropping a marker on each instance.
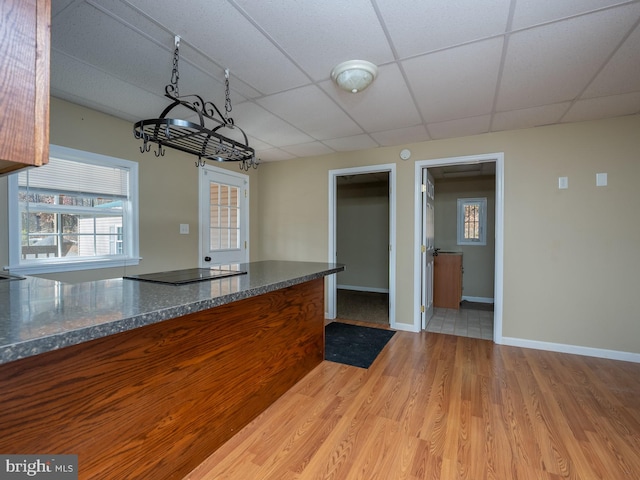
(478, 260)
(571, 260)
(362, 235)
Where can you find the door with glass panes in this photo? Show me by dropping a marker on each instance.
(224, 217)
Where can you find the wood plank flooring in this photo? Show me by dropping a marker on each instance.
(436, 406)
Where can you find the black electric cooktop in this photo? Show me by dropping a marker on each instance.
(189, 275)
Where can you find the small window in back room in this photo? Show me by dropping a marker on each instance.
(472, 220)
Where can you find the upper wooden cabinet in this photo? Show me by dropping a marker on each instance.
(25, 27)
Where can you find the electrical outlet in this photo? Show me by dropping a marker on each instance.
(184, 228)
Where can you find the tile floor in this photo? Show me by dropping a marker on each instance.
(463, 323)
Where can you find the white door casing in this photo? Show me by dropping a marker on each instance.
(498, 158)
(224, 217)
(331, 279)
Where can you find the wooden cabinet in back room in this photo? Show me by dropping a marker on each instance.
(24, 83)
(447, 280)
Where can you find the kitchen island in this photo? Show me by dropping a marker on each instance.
(144, 380)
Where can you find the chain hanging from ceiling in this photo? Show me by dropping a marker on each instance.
(205, 141)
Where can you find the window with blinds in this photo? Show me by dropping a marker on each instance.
(224, 222)
(472, 219)
(77, 209)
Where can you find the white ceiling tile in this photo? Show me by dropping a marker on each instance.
(603, 107)
(531, 13)
(622, 73)
(401, 136)
(529, 117)
(74, 81)
(386, 101)
(460, 128)
(554, 63)
(357, 142)
(308, 149)
(308, 109)
(230, 40)
(259, 123)
(455, 83)
(274, 155)
(319, 35)
(420, 26)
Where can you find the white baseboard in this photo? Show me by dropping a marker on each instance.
(574, 349)
(478, 299)
(362, 289)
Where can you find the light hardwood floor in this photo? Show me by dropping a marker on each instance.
(435, 406)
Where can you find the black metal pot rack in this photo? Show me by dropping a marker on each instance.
(207, 143)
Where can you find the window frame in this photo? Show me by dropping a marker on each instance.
(462, 202)
(68, 264)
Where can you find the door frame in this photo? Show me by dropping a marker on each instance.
(498, 158)
(332, 254)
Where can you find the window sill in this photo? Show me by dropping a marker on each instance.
(59, 267)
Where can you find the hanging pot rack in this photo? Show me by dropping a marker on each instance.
(203, 139)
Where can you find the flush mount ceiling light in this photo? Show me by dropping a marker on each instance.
(205, 139)
(354, 75)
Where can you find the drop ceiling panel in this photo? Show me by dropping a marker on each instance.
(466, 126)
(529, 117)
(436, 24)
(555, 62)
(252, 118)
(603, 107)
(622, 73)
(386, 102)
(94, 38)
(229, 39)
(319, 35)
(401, 136)
(81, 83)
(308, 109)
(357, 142)
(308, 149)
(455, 83)
(531, 13)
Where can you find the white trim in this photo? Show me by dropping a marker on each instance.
(572, 349)
(478, 299)
(498, 158)
(332, 253)
(357, 288)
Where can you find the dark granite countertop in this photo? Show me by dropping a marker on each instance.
(39, 315)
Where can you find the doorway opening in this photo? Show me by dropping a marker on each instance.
(362, 235)
(461, 167)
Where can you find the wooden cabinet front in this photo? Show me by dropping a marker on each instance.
(155, 402)
(447, 280)
(24, 89)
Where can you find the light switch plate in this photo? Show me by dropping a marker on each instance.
(601, 179)
(184, 228)
(563, 182)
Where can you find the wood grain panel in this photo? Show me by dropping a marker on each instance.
(156, 401)
(24, 83)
